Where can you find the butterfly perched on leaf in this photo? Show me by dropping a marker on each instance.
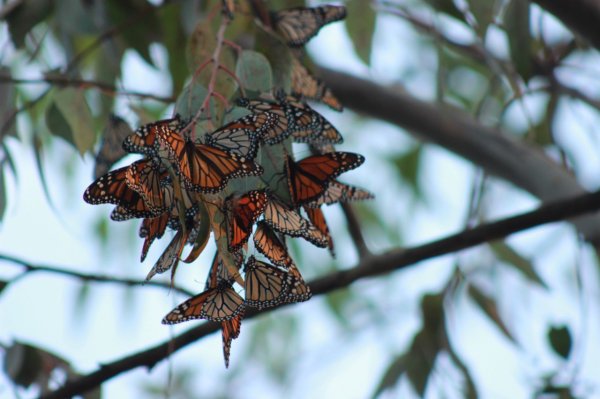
(317, 218)
(230, 330)
(310, 177)
(241, 214)
(113, 188)
(151, 229)
(202, 167)
(340, 192)
(144, 139)
(268, 244)
(170, 257)
(298, 25)
(303, 124)
(286, 220)
(241, 137)
(218, 304)
(307, 86)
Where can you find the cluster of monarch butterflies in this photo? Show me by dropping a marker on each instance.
(180, 175)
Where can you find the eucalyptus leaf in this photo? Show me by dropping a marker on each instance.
(490, 308)
(24, 16)
(360, 25)
(393, 373)
(517, 25)
(509, 256)
(74, 107)
(254, 71)
(560, 340)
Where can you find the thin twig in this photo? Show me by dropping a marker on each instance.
(31, 268)
(61, 80)
(395, 259)
(355, 231)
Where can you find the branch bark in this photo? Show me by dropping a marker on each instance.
(370, 266)
(499, 154)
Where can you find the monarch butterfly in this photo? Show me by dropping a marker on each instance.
(276, 131)
(112, 188)
(287, 221)
(340, 192)
(228, 8)
(230, 330)
(304, 124)
(241, 215)
(218, 272)
(144, 139)
(298, 291)
(154, 186)
(151, 229)
(202, 167)
(309, 178)
(268, 244)
(305, 85)
(170, 257)
(317, 218)
(110, 150)
(241, 136)
(218, 304)
(264, 284)
(299, 25)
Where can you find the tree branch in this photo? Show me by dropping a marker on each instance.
(395, 259)
(499, 154)
(31, 268)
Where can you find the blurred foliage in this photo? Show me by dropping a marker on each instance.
(88, 41)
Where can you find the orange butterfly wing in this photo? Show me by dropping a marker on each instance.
(309, 178)
(268, 244)
(244, 212)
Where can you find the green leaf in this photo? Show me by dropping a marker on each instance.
(508, 255)
(72, 104)
(3, 285)
(58, 125)
(37, 151)
(27, 14)
(76, 17)
(484, 12)
(408, 165)
(139, 35)
(421, 359)
(360, 24)
(3, 200)
(490, 308)
(336, 302)
(7, 99)
(560, 340)
(394, 372)
(254, 71)
(447, 7)
(516, 21)
(174, 35)
(190, 100)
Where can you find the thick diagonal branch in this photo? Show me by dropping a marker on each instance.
(499, 154)
(369, 266)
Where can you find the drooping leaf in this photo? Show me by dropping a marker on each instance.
(191, 100)
(560, 340)
(360, 24)
(254, 71)
(37, 151)
(517, 24)
(58, 125)
(336, 302)
(490, 308)
(408, 165)
(543, 132)
(447, 7)
(2, 197)
(484, 12)
(74, 107)
(392, 375)
(508, 255)
(135, 35)
(24, 16)
(7, 99)
(3, 285)
(174, 35)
